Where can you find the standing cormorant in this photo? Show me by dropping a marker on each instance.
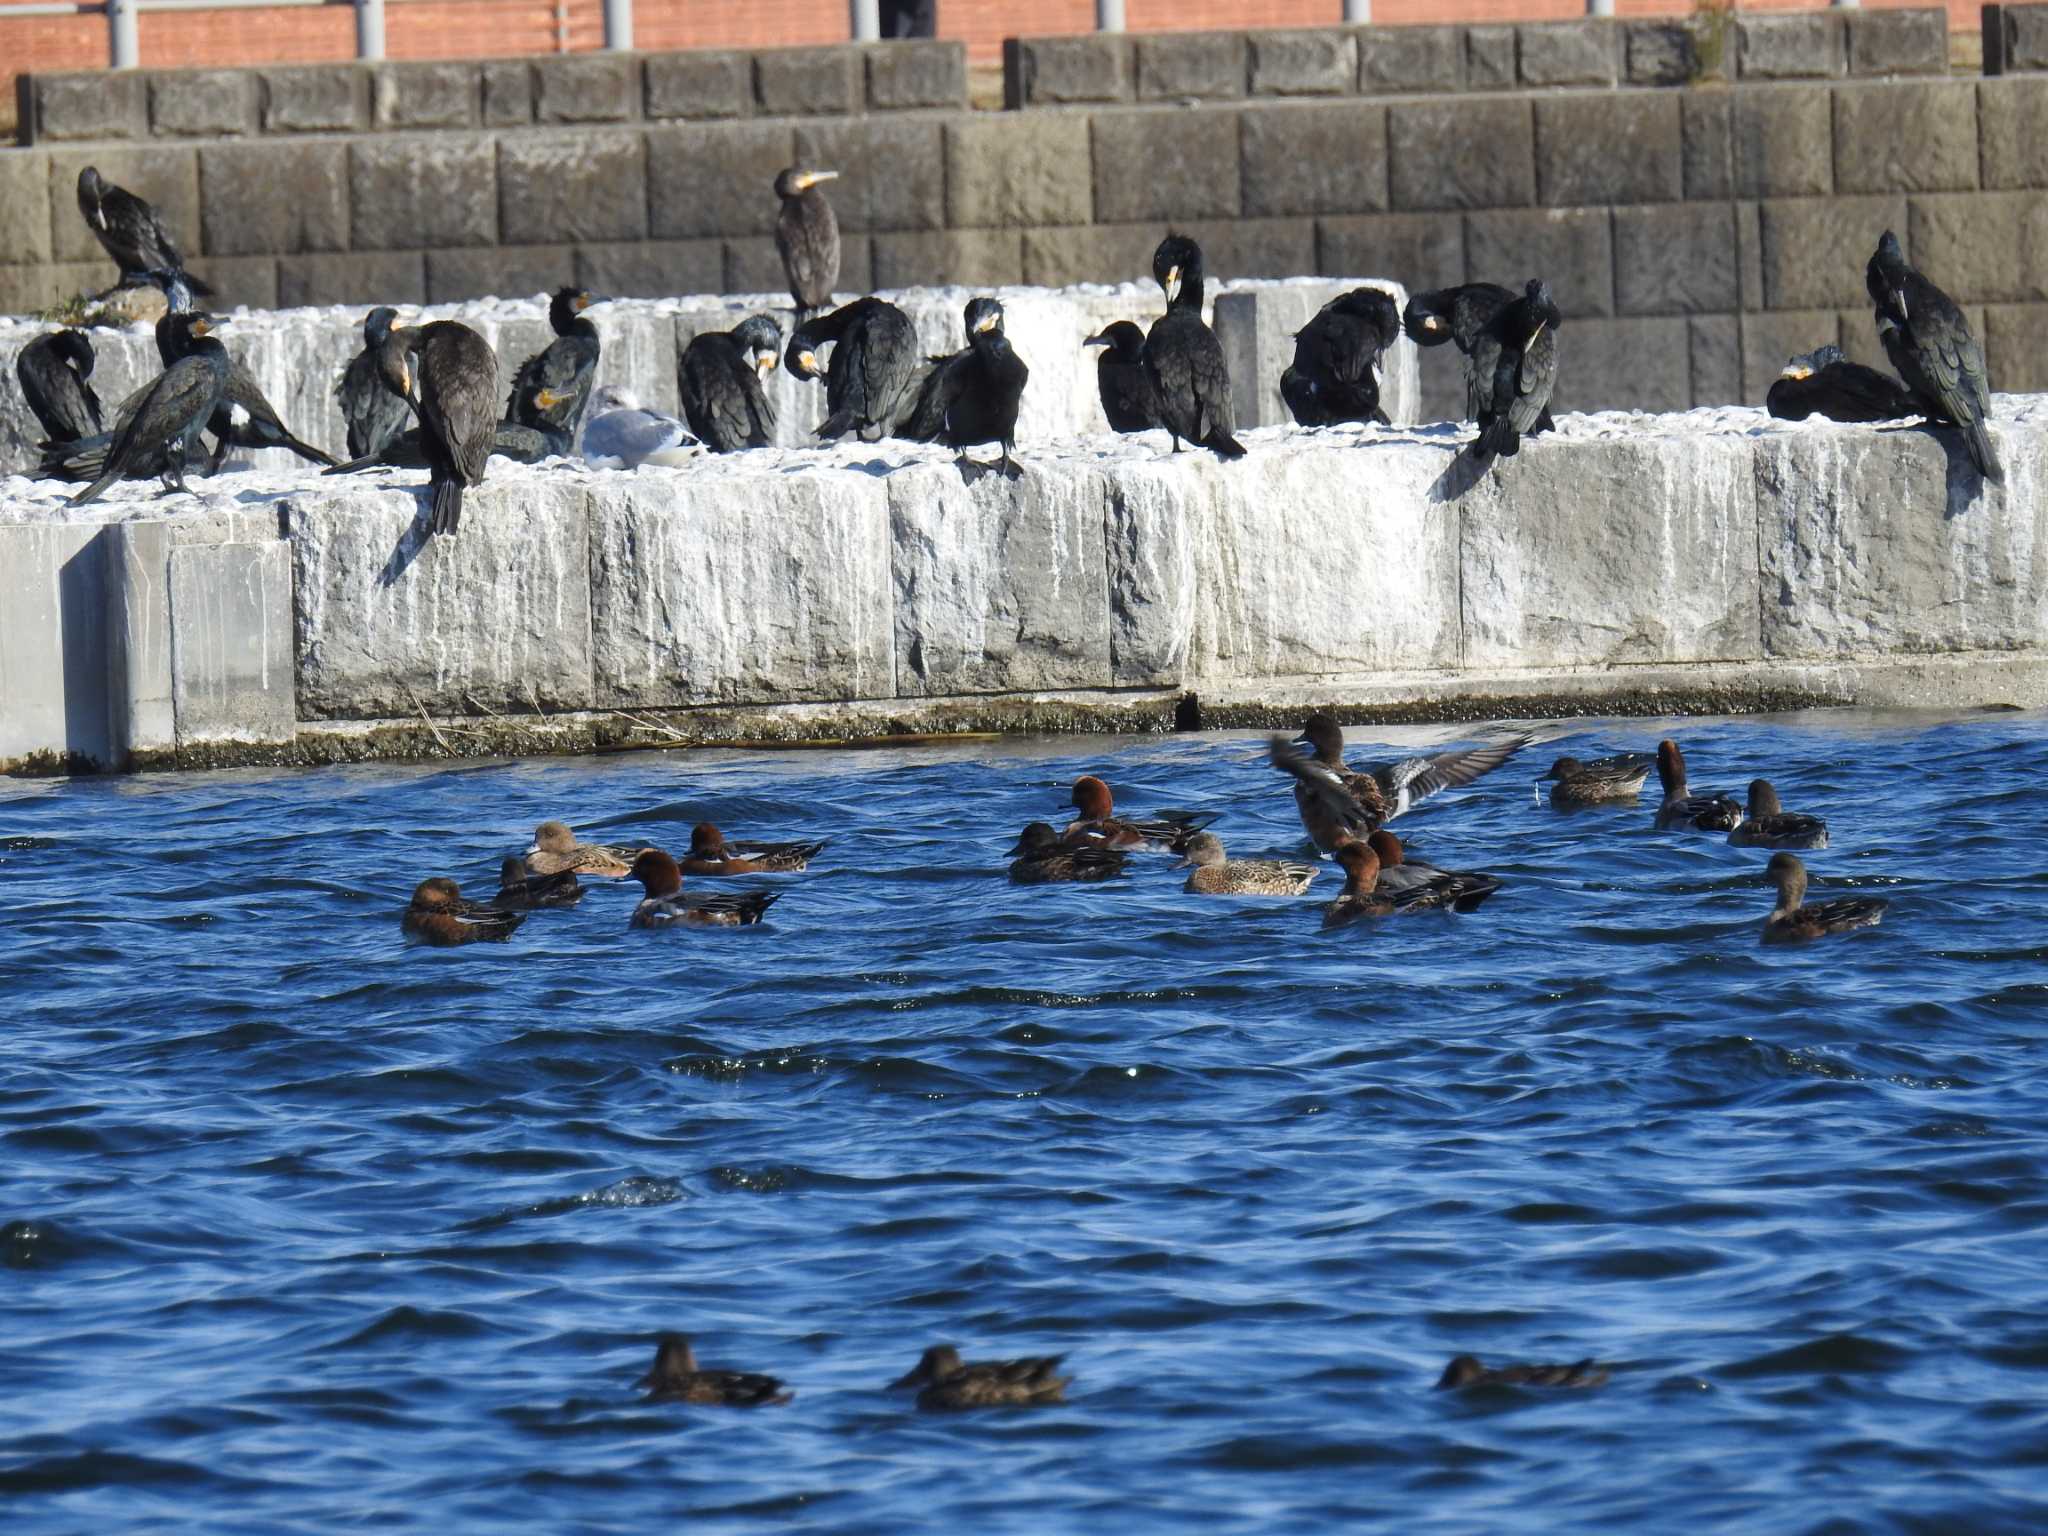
(871, 384)
(1525, 332)
(551, 388)
(375, 411)
(173, 411)
(1930, 343)
(1336, 360)
(807, 235)
(971, 397)
(1128, 401)
(1824, 383)
(1189, 377)
(130, 230)
(719, 377)
(1462, 315)
(455, 374)
(243, 418)
(56, 372)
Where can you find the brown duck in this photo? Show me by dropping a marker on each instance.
(1793, 922)
(520, 892)
(664, 906)
(1339, 805)
(948, 1382)
(555, 850)
(1768, 824)
(1465, 1371)
(1603, 781)
(1414, 886)
(1042, 857)
(1680, 806)
(1212, 874)
(711, 854)
(677, 1378)
(1165, 832)
(439, 915)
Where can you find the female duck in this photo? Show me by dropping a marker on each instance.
(555, 849)
(1681, 807)
(1211, 874)
(677, 1378)
(1770, 825)
(1792, 922)
(520, 892)
(1465, 1371)
(1042, 857)
(949, 1382)
(1603, 781)
(438, 915)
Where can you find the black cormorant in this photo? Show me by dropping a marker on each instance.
(1128, 401)
(971, 397)
(719, 377)
(56, 373)
(375, 411)
(454, 373)
(1824, 383)
(807, 235)
(871, 384)
(243, 418)
(168, 419)
(1525, 334)
(130, 230)
(551, 388)
(1189, 377)
(1929, 342)
(1335, 373)
(1462, 315)
(509, 440)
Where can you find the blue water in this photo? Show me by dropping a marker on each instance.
(306, 1229)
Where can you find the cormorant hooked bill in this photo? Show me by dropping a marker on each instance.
(1189, 377)
(1929, 342)
(375, 411)
(456, 375)
(807, 235)
(871, 384)
(1526, 334)
(1128, 401)
(1335, 374)
(552, 387)
(719, 378)
(971, 397)
(169, 417)
(55, 371)
(1824, 383)
(130, 230)
(1463, 315)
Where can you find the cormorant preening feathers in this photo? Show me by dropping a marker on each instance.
(1463, 315)
(243, 418)
(158, 434)
(1128, 401)
(719, 378)
(1929, 342)
(1189, 377)
(971, 397)
(871, 383)
(552, 387)
(130, 230)
(456, 376)
(56, 373)
(1335, 373)
(1525, 332)
(807, 235)
(373, 408)
(1824, 383)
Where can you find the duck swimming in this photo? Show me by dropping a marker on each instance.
(1211, 874)
(677, 1378)
(438, 915)
(711, 854)
(521, 892)
(555, 850)
(1465, 1371)
(948, 1382)
(1360, 897)
(1167, 832)
(1791, 922)
(1339, 805)
(1770, 825)
(1424, 885)
(1603, 781)
(664, 906)
(1042, 857)
(1681, 807)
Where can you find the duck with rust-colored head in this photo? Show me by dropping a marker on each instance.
(711, 854)
(1793, 922)
(1360, 897)
(1043, 857)
(438, 915)
(949, 1382)
(1339, 804)
(1210, 873)
(664, 907)
(520, 892)
(556, 850)
(1768, 824)
(1603, 781)
(1164, 832)
(1680, 806)
(677, 1378)
(1465, 1371)
(1420, 887)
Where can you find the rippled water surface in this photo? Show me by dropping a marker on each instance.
(303, 1227)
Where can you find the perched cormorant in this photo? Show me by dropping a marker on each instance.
(719, 377)
(1189, 377)
(56, 372)
(1335, 376)
(618, 434)
(456, 375)
(807, 235)
(871, 384)
(243, 419)
(1929, 342)
(130, 230)
(1824, 383)
(1462, 315)
(1127, 397)
(1526, 334)
(375, 411)
(168, 419)
(552, 387)
(971, 397)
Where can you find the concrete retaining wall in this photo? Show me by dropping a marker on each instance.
(1711, 560)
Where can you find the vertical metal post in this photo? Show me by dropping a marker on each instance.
(1847, 5)
(1599, 7)
(867, 21)
(122, 42)
(369, 29)
(1357, 13)
(1109, 15)
(618, 25)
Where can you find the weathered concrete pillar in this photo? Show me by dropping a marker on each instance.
(231, 643)
(140, 715)
(53, 650)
